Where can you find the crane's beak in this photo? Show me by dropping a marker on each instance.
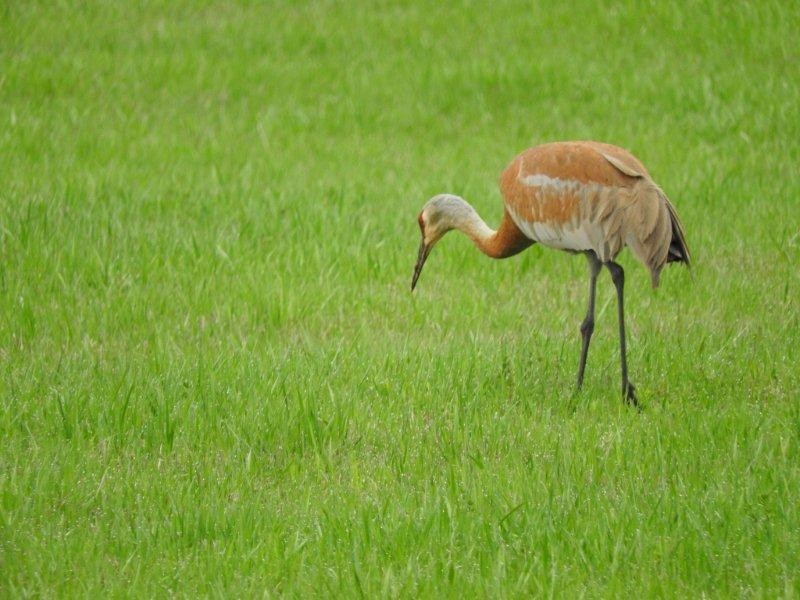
(424, 250)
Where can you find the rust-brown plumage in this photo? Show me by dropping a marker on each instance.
(585, 197)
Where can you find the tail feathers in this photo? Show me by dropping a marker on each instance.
(678, 249)
(656, 234)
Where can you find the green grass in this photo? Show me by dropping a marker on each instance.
(214, 380)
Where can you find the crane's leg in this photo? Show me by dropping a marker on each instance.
(618, 277)
(587, 327)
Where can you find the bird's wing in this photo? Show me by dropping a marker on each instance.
(626, 169)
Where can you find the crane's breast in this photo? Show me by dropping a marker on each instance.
(568, 214)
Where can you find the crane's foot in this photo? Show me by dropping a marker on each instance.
(629, 395)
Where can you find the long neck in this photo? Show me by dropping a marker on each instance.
(506, 241)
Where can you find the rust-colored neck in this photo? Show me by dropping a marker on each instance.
(507, 241)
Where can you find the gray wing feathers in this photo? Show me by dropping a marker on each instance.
(627, 169)
(649, 227)
(603, 203)
(654, 231)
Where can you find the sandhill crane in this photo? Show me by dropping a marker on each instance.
(581, 197)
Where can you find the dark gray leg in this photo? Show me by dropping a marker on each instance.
(587, 327)
(618, 277)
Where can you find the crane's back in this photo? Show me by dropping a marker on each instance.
(580, 196)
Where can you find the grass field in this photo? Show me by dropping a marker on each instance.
(214, 380)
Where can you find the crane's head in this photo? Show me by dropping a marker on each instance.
(439, 215)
